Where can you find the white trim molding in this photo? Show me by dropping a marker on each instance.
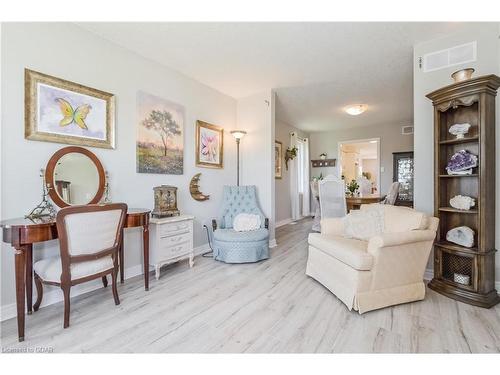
(283, 222)
(273, 243)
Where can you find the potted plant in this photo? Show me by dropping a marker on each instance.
(322, 156)
(290, 154)
(352, 187)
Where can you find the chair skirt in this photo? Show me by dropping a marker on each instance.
(241, 252)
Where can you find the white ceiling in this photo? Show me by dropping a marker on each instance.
(316, 68)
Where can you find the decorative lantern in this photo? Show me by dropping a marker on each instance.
(165, 201)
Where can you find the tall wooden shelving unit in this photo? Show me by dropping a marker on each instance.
(471, 101)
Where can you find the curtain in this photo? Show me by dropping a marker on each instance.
(306, 200)
(294, 182)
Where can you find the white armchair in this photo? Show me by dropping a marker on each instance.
(385, 270)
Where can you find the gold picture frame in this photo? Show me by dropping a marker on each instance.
(61, 111)
(278, 160)
(209, 150)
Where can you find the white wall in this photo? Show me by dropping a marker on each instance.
(391, 140)
(256, 115)
(282, 194)
(488, 62)
(69, 52)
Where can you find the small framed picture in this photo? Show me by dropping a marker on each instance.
(278, 159)
(61, 111)
(209, 145)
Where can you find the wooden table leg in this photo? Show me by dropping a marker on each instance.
(29, 277)
(122, 263)
(20, 269)
(145, 244)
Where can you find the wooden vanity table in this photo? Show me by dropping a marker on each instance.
(22, 233)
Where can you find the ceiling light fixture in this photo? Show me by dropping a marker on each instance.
(355, 109)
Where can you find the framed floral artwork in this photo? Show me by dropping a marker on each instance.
(209, 145)
(278, 159)
(61, 111)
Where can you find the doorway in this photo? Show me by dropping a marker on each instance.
(359, 160)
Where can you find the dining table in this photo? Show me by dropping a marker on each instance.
(355, 202)
(22, 233)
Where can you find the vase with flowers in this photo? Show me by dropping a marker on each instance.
(352, 188)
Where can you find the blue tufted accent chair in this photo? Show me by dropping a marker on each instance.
(230, 246)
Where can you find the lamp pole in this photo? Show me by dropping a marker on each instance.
(237, 162)
(238, 134)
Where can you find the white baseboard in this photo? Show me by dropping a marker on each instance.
(283, 222)
(54, 296)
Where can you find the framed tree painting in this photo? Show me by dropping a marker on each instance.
(61, 111)
(278, 159)
(160, 135)
(209, 145)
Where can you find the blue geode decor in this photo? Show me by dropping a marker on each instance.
(461, 162)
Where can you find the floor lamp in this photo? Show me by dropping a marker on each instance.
(238, 134)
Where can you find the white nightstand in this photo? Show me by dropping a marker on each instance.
(171, 241)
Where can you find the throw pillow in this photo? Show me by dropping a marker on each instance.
(246, 222)
(365, 224)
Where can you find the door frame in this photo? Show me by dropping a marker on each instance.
(364, 140)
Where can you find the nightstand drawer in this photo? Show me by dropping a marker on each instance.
(175, 240)
(173, 228)
(177, 250)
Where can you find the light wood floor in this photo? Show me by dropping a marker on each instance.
(271, 306)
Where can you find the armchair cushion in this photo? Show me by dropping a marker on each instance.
(347, 250)
(50, 269)
(399, 219)
(231, 235)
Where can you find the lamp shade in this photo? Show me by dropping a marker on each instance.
(238, 134)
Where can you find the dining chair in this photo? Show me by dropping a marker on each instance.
(365, 186)
(332, 197)
(392, 195)
(89, 239)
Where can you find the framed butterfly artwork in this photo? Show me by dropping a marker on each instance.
(61, 111)
(209, 145)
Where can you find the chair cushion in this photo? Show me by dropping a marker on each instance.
(347, 250)
(50, 269)
(230, 235)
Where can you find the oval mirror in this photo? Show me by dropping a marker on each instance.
(75, 176)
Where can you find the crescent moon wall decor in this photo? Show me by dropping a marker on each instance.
(194, 189)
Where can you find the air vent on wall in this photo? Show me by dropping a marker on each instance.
(407, 130)
(462, 54)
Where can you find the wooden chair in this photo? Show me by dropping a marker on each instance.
(89, 239)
